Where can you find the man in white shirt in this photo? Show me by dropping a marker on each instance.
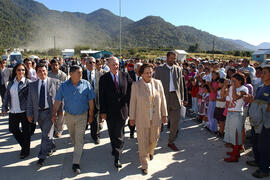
(40, 101)
(174, 90)
(92, 75)
(32, 75)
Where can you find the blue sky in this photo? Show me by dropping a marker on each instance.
(247, 20)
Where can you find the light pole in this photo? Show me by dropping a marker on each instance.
(120, 33)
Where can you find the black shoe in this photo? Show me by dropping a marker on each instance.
(207, 128)
(97, 141)
(117, 163)
(260, 174)
(76, 168)
(40, 162)
(151, 157)
(131, 136)
(168, 125)
(252, 163)
(52, 150)
(23, 156)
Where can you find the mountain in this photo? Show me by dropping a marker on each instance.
(29, 24)
(264, 45)
(243, 44)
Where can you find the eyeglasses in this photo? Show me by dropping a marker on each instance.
(91, 62)
(20, 69)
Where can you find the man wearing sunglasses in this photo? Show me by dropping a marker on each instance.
(93, 76)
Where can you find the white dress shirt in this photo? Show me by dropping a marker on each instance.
(32, 74)
(15, 102)
(46, 89)
(137, 77)
(93, 76)
(171, 88)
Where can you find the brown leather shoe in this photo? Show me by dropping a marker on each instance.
(173, 147)
(144, 171)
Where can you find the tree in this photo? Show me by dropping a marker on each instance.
(236, 53)
(193, 48)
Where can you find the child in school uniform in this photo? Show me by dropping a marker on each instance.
(204, 104)
(220, 108)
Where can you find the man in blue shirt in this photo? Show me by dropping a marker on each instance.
(260, 121)
(78, 97)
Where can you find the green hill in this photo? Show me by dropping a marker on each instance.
(29, 24)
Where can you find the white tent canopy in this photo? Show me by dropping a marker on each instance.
(181, 55)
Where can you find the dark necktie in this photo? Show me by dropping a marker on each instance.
(42, 96)
(91, 81)
(115, 82)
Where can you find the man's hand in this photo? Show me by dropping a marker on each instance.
(3, 113)
(53, 119)
(30, 119)
(131, 122)
(90, 119)
(164, 119)
(103, 116)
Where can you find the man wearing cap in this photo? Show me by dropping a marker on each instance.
(260, 121)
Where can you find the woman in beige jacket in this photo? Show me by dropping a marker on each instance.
(147, 110)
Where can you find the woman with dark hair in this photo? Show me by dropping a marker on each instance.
(235, 117)
(15, 101)
(230, 72)
(147, 110)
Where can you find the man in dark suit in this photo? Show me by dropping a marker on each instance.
(135, 76)
(114, 94)
(93, 76)
(40, 101)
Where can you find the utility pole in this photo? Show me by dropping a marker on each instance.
(213, 51)
(54, 46)
(120, 33)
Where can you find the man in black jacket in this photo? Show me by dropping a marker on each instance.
(114, 94)
(92, 75)
(135, 76)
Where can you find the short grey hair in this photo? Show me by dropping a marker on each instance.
(137, 64)
(90, 58)
(113, 58)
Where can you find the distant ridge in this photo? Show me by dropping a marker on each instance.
(29, 24)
